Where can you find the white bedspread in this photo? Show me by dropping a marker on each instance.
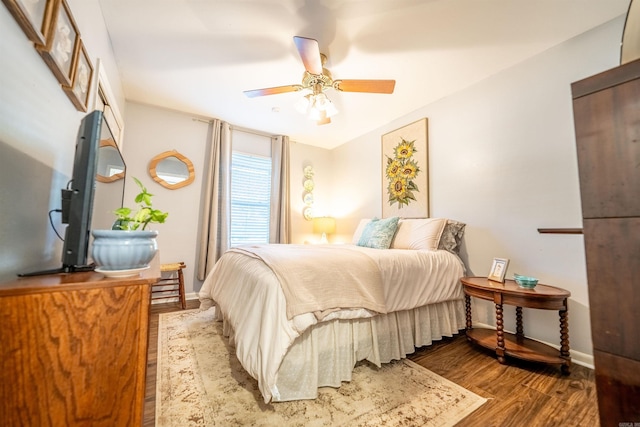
(251, 300)
(321, 279)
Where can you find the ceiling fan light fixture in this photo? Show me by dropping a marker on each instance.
(330, 108)
(321, 108)
(323, 121)
(317, 107)
(315, 113)
(303, 104)
(316, 79)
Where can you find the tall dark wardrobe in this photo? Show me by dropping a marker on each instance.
(606, 110)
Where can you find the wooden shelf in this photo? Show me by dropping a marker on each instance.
(560, 230)
(522, 348)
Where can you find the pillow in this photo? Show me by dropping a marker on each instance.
(378, 233)
(419, 233)
(359, 229)
(451, 239)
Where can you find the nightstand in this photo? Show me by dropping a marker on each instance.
(543, 297)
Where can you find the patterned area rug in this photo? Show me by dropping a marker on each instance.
(201, 383)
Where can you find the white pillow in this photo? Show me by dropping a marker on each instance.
(358, 233)
(419, 233)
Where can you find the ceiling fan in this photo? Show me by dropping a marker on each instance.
(316, 79)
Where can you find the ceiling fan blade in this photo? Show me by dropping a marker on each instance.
(272, 90)
(371, 86)
(310, 53)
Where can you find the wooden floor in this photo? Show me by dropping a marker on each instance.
(519, 393)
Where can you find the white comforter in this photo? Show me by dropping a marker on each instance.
(252, 303)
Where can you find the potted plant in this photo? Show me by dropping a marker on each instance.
(128, 246)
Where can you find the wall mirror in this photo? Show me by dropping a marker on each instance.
(111, 166)
(172, 170)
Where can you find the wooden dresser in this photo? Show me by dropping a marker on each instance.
(73, 349)
(606, 111)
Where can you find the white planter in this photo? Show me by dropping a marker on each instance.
(123, 250)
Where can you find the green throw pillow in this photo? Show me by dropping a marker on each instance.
(379, 233)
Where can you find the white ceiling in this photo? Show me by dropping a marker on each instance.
(198, 56)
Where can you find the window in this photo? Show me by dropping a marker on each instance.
(250, 198)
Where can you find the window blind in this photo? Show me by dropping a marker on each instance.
(250, 198)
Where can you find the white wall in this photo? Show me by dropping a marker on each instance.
(38, 127)
(302, 155)
(503, 160)
(149, 132)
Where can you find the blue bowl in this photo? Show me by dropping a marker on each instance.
(525, 281)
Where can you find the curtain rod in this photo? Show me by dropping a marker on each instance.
(255, 132)
(238, 128)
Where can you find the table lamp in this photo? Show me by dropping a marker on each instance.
(325, 225)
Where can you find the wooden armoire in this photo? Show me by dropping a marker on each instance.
(606, 110)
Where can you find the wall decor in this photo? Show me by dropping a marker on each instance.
(79, 91)
(32, 17)
(307, 196)
(172, 170)
(405, 171)
(111, 166)
(61, 38)
(498, 269)
(307, 213)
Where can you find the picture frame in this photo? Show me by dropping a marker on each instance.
(79, 91)
(405, 171)
(61, 39)
(32, 16)
(498, 270)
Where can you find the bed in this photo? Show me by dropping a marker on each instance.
(301, 316)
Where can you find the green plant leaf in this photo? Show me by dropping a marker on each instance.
(126, 220)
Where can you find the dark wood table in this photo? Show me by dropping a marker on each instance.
(543, 297)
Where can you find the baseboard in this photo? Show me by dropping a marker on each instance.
(577, 357)
(191, 296)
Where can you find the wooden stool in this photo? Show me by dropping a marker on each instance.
(175, 280)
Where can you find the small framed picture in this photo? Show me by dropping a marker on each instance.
(60, 48)
(498, 269)
(32, 17)
(78, 92)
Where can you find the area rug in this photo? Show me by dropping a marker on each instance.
(200, 382)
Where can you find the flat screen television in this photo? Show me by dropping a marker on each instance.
(86, 202)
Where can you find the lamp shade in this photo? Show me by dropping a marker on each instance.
(324, 224)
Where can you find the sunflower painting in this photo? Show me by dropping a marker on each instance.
(405, 181)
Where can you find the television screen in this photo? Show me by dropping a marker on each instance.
(81, 187)
(95, 190)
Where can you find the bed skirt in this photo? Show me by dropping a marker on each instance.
(326, 353)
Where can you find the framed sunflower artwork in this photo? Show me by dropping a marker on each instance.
(405, 171)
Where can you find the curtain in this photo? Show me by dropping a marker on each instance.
(216, 203)
(280, 224)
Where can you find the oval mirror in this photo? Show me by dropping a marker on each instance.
(172, 170)
(110, 163)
